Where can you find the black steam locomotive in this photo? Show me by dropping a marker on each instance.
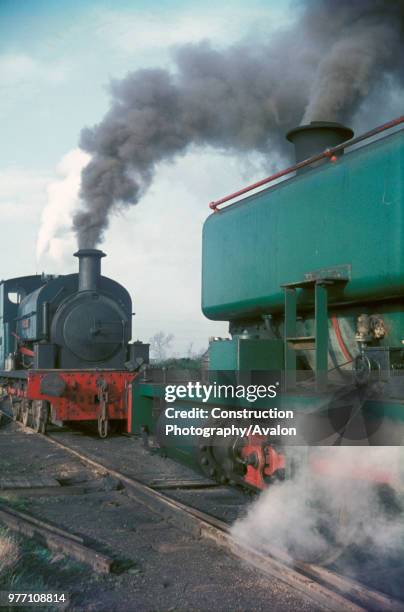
(65, 351)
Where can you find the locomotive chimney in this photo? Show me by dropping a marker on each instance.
(89, 268)
(316, 137)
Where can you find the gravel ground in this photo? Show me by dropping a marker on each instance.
(163, 568)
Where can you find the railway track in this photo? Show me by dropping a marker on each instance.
(328, 589)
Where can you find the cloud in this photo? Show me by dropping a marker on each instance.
(22, 198)
(22, 192)
(138, 30)
(19, 69)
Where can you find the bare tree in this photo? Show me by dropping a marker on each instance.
(190, 350)
(160, 344)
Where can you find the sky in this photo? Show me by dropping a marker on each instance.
(56, 62)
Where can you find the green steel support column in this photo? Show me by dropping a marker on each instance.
(321, 334)
(290, 332)
(142, 406)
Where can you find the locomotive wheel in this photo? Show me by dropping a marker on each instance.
(25, 412)
(40, 411)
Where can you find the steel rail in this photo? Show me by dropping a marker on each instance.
(55, 538)
(328, 153)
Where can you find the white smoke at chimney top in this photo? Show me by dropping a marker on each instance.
(55, 236)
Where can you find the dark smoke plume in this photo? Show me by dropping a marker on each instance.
(242, 99)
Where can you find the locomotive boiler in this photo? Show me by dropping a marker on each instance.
(65, 350)
(309, 273)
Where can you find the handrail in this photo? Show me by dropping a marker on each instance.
(330, 153)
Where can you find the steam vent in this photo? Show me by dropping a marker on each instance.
(317, 136)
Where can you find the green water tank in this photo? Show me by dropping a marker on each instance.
(346, 216)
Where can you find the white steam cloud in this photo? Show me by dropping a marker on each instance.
(315, 516)
(55, 236)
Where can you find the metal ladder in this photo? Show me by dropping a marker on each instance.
(318, 342)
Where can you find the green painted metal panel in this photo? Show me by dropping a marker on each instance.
(288, 332)
(347, 213)
(321, 335)
(262, 354)
(143, 396)
(223, 355)
(245, 354)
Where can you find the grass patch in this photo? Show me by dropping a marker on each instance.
(9, 552)
(18, 503)
(26, 566)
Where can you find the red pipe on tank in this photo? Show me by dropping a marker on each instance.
(340, 340)
(327, 153)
